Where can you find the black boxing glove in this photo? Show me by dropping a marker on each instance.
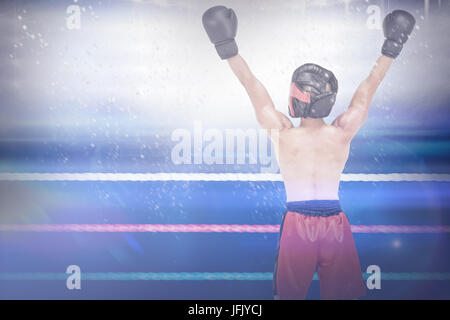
(397, 26)
(220, 24)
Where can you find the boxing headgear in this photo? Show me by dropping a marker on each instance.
(317, 102)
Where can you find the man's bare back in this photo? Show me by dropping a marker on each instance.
(311, 159)
(312, 156)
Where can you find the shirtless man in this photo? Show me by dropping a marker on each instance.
(314, 232)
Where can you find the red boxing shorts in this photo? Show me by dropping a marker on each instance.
(316, 234)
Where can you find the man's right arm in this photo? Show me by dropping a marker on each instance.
(397, 26)
(355, 116)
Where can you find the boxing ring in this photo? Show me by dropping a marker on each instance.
(226, 261)
(92, 111)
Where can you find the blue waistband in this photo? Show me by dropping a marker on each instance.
(315, 208)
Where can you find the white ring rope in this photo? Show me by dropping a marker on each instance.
(386, 177)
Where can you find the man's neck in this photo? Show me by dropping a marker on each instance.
(311, 122)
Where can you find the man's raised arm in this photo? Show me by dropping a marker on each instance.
(220, 24)
(266, 114)
(355, 116)
(397, 26)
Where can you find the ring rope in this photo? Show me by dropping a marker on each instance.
(207, 228)
(87, 176)
(204, 276)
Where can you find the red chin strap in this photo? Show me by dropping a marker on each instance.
(298, 94)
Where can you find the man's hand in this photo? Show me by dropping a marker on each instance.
(220, 24)
(397, 26)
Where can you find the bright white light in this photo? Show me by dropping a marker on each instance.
(396, 243)
(161, 63)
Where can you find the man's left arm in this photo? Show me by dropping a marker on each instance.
(220, 24)
(266, 114)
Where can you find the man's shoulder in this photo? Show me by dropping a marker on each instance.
(330, 131)
(325, 128)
